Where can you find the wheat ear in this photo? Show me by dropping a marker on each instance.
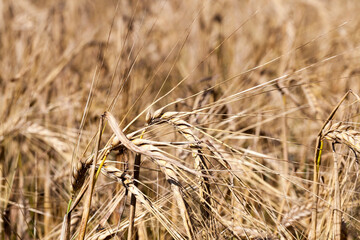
(344, 134)
(137, 146)
(185, 129)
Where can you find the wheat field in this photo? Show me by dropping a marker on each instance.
(179, 119)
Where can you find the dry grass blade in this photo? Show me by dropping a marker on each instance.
(128, 182)
(166, 167)
(110, 232)
(87, 203)
(337, 202)
(65, 230)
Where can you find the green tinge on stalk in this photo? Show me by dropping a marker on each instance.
(100, 166)
(69, 206)
(103, 161)
(318, 161)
